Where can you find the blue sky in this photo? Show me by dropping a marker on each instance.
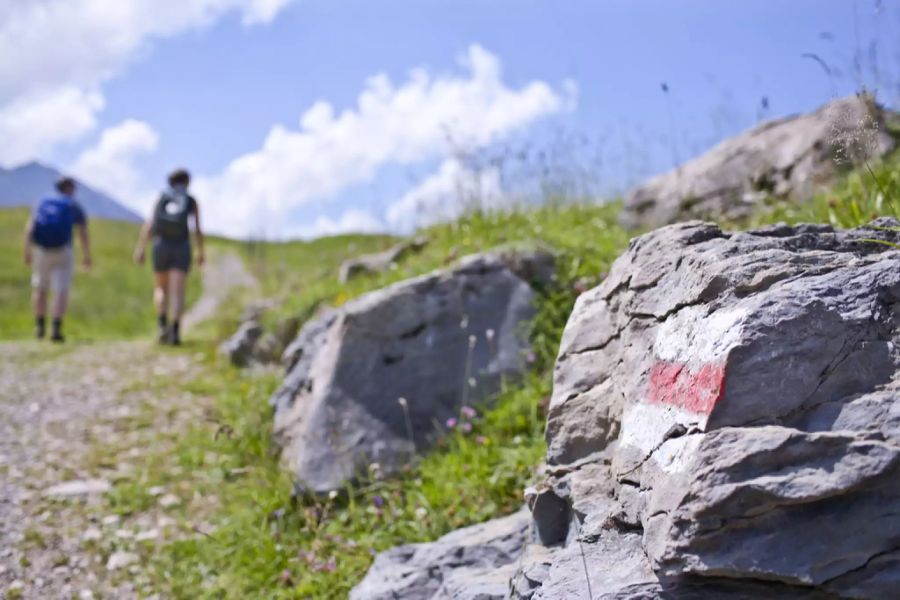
(206, 87)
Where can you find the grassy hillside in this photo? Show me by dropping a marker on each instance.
(269, 545)
(256, 540)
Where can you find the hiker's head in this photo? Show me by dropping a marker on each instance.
(65, 186)
(179, 178)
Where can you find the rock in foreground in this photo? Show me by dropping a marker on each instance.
(437, 341)
(785, 158)
(725, 422)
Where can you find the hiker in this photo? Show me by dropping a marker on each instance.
(169, 227)
(48, 250)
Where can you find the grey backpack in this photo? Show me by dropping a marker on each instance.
(170, 220)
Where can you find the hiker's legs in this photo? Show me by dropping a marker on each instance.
(39, 301)
(161, 293)
(60, 304)
(177, 282)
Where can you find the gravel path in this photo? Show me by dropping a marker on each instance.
(74, 511)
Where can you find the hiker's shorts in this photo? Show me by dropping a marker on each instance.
(52, 268)
(171, 254)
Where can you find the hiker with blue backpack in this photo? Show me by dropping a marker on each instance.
(170, 229)
(48, 250)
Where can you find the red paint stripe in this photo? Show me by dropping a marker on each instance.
(676, 385)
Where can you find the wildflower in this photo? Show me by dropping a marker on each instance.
(451, 423)
(482, 440)
(464, 324)
(377, 501)
(472, 341)
(332, 494)
(401, 402)
(489, 335)
(466, 427)
(421, 512)
(468, 412)
(531, 358)
(472, 382)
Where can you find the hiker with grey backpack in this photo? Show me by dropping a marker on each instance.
(169, 226)
(48, 250)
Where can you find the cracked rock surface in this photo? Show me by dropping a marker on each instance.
(786, 158)
(725, 420)
(438, 342)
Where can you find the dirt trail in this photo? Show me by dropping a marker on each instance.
(80, 415)
(224, 273)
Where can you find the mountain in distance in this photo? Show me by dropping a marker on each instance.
(27, 184)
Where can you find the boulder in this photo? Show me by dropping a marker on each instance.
(379, 262)
(369, 381)
(725, 422)
(468, 564)
(787, 158)
(241, 346)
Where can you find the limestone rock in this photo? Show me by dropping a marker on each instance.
(438, 341)
(725, 420)
(380, 261)
(474, 562)
(786, 158)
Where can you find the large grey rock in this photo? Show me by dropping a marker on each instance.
(786, 158)
(468, 564)
(379, 262)
(725, 421)
(438, 342)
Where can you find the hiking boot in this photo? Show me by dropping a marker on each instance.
(174, 337)
(58, 337)
(39, 332)
(162, 336)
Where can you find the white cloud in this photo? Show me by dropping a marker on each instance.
(33, 124)
(110, 164)
(55, 54)
(446, 194)
(351, 221)
(424, 118)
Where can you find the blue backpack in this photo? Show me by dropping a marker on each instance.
(52, 224)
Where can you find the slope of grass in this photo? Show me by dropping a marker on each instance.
(268, 544)
(864, 194)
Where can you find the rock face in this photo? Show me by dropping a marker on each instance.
(380, 261)
(786, 158)
(438, 342)
(474, 562)
(725, 413)
(725, 423)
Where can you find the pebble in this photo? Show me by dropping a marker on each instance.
(78, 488)
(118, 560)
(169, 500)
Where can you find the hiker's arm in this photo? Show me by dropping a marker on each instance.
(29, 228)
(198, 236)
(143, 238)
(85, 239)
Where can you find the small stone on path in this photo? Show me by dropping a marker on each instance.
(82, 487)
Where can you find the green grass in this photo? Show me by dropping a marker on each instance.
(864, 194)
(112, 301)
(268, 544)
